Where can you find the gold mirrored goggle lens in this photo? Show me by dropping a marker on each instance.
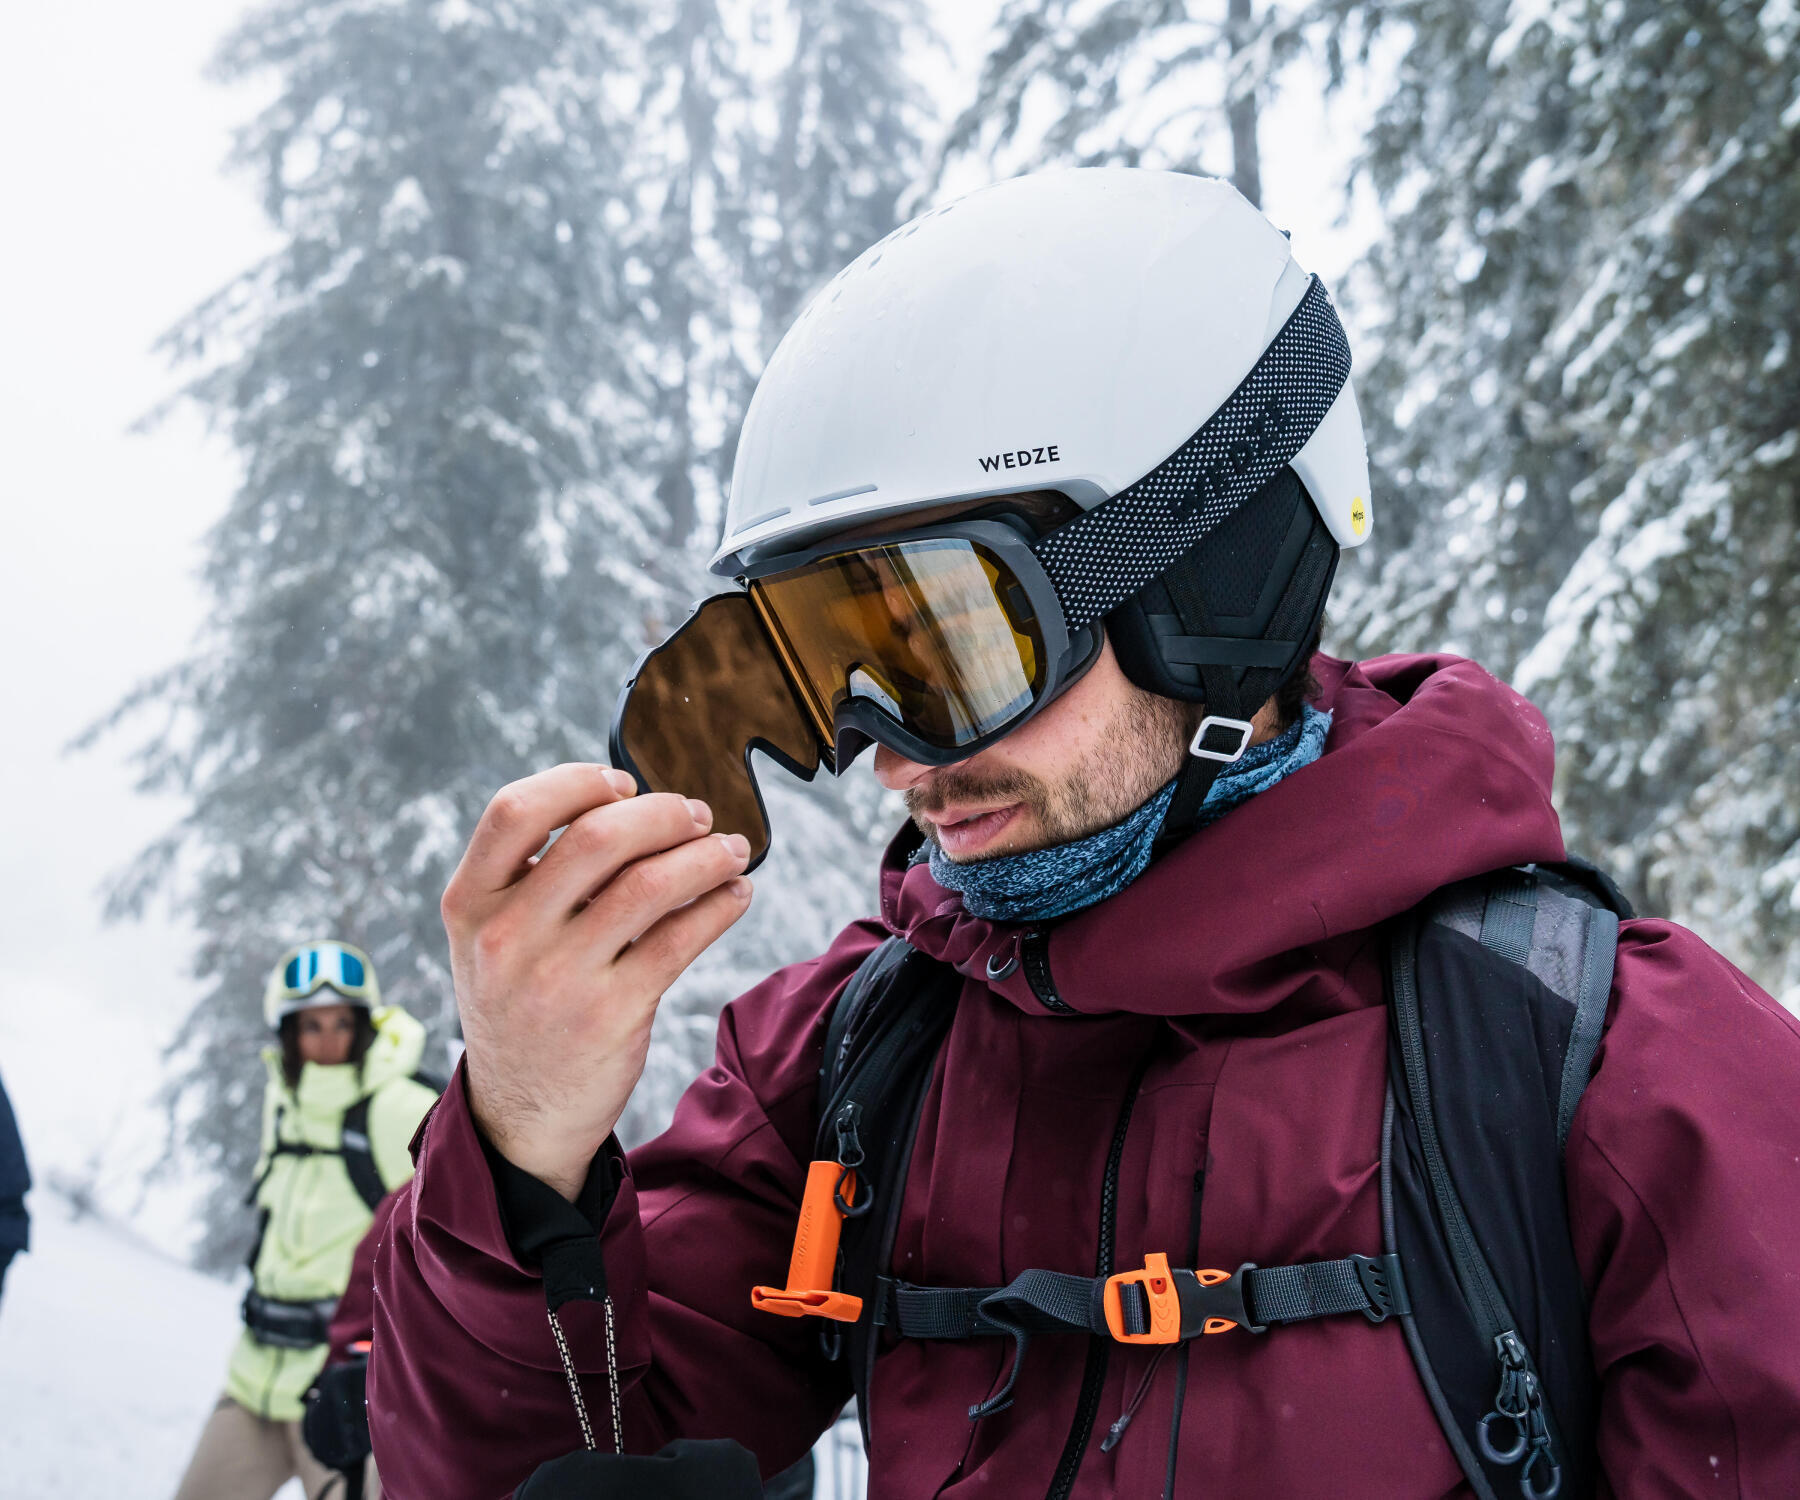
(698, 705)
(937, 633)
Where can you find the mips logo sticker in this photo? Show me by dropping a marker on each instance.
(1359, 515)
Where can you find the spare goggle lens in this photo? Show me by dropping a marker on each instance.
(700, 703)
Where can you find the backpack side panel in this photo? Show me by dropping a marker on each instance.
(1507, 1020)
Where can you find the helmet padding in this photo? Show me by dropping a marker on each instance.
(1246, 601)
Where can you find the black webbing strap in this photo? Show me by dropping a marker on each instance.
(1510, 916)
(1035, 1301)
(287, 1325)
(1369, 1285)
(1102, 558)
(359, 1154)
(1059, 1302)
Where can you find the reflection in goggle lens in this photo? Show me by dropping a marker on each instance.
(945, 639)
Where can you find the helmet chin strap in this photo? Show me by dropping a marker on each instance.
(1231, 704)
(1221, 740)
(1236, 689)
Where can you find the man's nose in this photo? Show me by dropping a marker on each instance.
(895, 772)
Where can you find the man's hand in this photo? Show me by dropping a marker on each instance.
(560, 961)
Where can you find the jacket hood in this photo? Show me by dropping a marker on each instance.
(395, 1052)
(1435, 771)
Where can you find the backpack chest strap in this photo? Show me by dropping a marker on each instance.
(1154, 1305)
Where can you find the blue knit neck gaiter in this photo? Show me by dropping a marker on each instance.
(1046, 883)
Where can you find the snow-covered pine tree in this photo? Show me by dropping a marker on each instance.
(847, 147)
(792, 134)
(1584, 408)
(1153, 83)
(687, 182)
(422, 588)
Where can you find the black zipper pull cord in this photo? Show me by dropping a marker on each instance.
(1520, 1401)
(1117, 1430)
(850, 1157)
(1512, 1402)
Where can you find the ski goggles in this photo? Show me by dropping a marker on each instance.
(328, 965)
(935, 643)
(938, 643)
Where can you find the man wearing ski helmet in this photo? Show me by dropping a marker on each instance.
(1281, 1114)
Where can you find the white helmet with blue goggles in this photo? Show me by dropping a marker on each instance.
(325, 972)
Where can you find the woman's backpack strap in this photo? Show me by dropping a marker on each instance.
(359, 1154)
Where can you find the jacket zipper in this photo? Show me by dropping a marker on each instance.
(1093, 1380)
(1116, 1432)
(1519, 1398)
(1181, 1367)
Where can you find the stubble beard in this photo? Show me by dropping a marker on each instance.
(1139, 751)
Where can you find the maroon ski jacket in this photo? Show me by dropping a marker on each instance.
(1242, 972)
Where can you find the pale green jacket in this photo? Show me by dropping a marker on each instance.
(315, 1215)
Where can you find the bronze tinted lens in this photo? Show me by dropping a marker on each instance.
(936, 633)
(698, 704)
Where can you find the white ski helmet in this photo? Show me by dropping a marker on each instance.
(322, 972)
(1067, 330)
(1142, 343)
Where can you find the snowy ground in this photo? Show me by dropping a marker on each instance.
(111, 1354)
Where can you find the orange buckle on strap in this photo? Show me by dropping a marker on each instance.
(1158, 1282)
(814, 1262)
(1215, 1278)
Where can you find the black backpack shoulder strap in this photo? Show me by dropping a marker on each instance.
(867, 991)
(1498, 991)
(881, 1047)
(359, 1155)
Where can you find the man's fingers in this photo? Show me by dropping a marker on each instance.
(656, 960)
(644, 892)
(522, 816)
(601, 842)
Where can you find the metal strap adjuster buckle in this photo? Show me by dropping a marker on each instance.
(1243, 727)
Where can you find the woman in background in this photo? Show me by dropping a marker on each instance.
(344, 1096)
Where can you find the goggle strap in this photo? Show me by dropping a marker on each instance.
(1099, 560)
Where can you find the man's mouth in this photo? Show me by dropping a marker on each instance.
(964, 833)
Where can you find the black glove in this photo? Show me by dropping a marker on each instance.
(792, 1484)
(688, 1469)
(336, 1424)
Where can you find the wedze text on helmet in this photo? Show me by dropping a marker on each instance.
(1021, 458)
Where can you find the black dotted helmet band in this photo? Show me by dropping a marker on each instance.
(1099, 560)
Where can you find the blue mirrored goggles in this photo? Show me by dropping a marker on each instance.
(320, 965)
